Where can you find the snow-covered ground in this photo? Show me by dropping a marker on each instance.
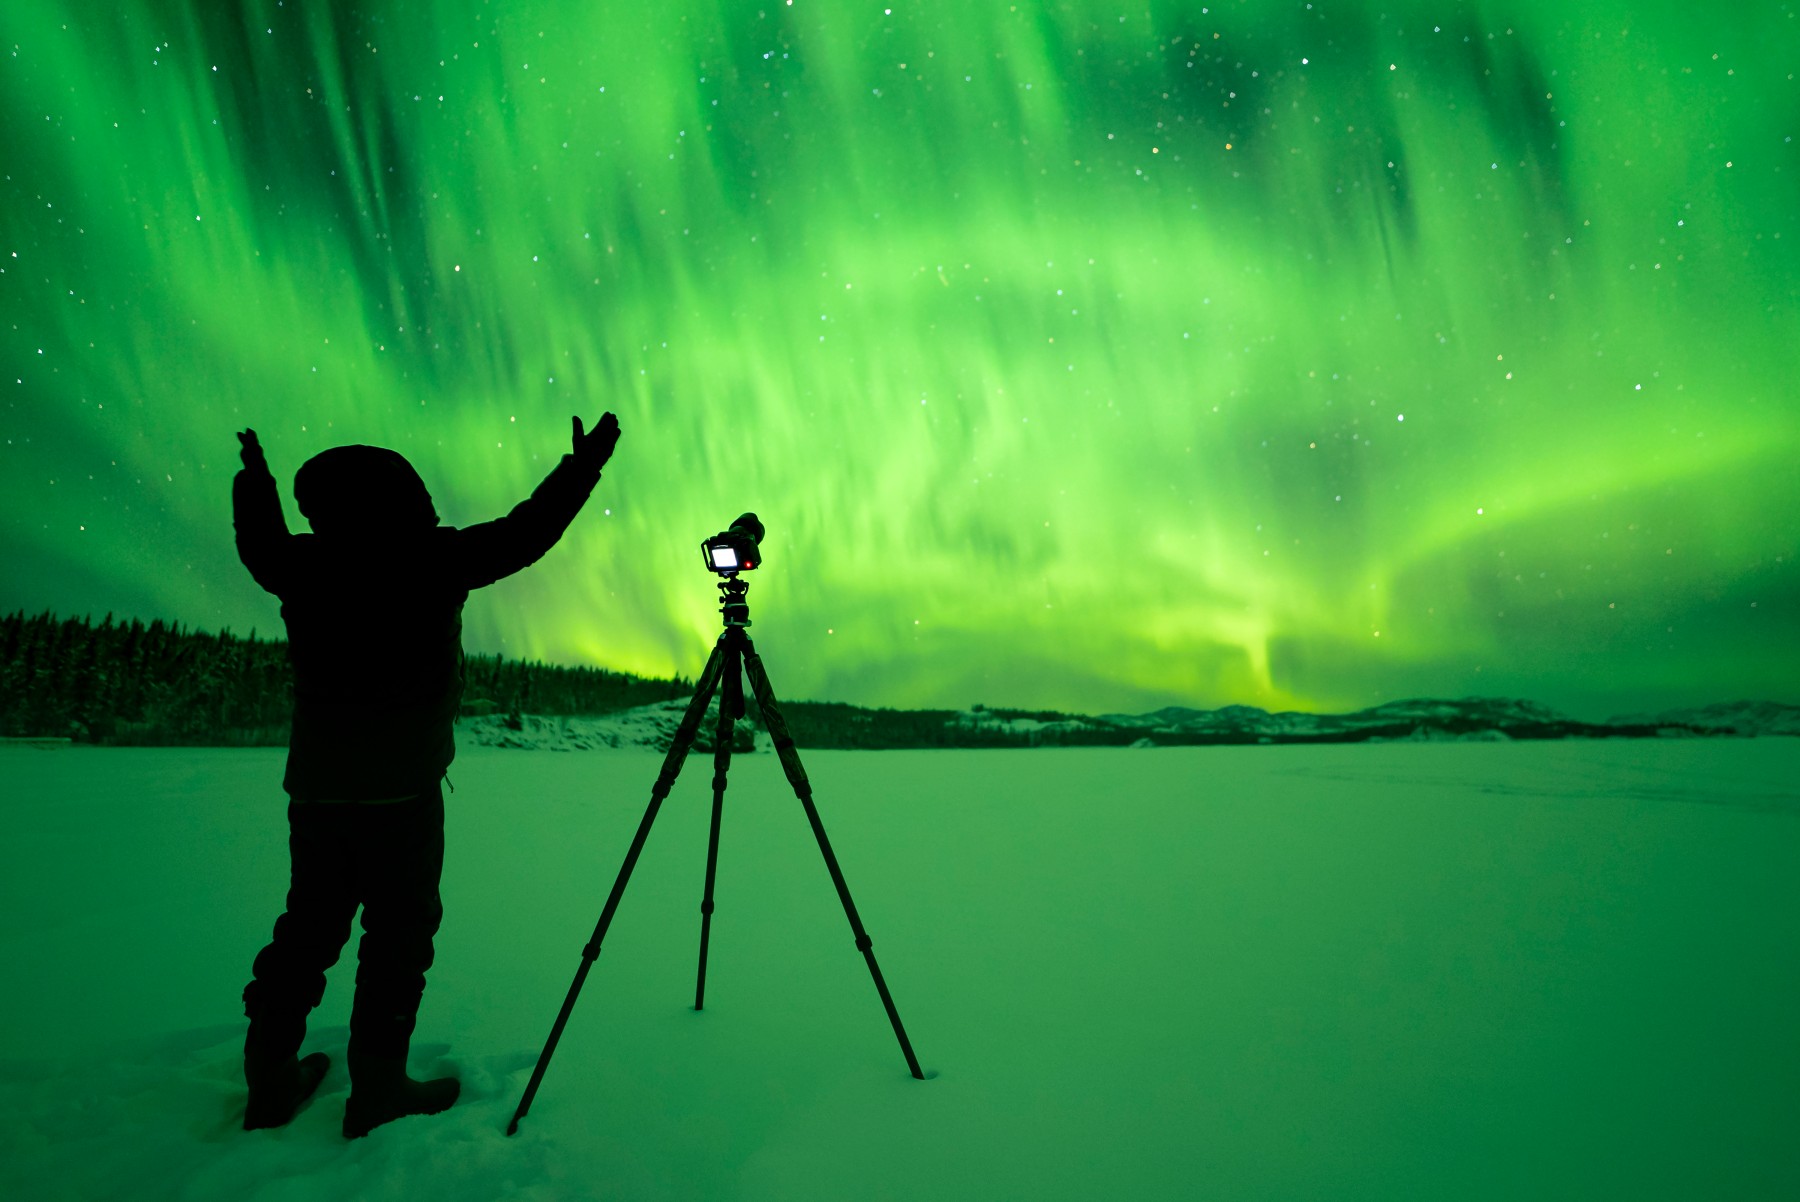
(1482, 971)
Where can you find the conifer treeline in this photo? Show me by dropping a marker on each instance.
(127, 682)
(493, 682)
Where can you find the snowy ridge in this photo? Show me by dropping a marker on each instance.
(1415, 719)
(648, 726)
(1470, 712)
(1729, 717)
(1422, 719)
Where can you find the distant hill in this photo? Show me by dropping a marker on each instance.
(127, 682)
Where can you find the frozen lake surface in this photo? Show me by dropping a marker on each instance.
(1474, 971)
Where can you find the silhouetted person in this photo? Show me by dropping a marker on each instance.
(373, 603)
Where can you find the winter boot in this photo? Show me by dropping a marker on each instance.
(278, 1087)
(380, 1092)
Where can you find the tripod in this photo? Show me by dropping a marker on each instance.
(731, 653)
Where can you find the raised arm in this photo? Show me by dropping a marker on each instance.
(497, 549)
(262, 533)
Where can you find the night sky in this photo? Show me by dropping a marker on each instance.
(1091, 356)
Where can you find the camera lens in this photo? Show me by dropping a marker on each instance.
(748, 524)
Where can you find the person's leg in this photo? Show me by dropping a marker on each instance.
(399, 860)
(288, 976)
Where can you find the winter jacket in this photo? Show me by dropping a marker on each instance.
(373, 604)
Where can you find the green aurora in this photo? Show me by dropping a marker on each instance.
(1077, 355)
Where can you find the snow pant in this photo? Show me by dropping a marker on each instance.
(386, 857)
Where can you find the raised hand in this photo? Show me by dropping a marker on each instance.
(596, 446)
(251, 451)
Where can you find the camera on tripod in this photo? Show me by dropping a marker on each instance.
(727, 553)
(737, 549)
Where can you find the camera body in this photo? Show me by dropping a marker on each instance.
(735, 550)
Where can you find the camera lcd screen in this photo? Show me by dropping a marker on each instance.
(724, 557)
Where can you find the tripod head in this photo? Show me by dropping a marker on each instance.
(732, 603)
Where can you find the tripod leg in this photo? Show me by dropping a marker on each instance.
(796, 774)
(678, 750)
(731, 707)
